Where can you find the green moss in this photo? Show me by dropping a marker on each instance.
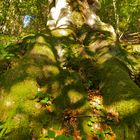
(44, 51)
(21, 133)
(74, 96)
(50, 69)
(121, 94)
(77, 18)
(22, 113)
(123, 105)
(116, 83)
(61, 32)
(133, 48)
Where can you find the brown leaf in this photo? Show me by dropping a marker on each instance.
(44, 131)
(77, 135)
(60, 132)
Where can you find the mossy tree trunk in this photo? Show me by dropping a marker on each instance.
(61, 64)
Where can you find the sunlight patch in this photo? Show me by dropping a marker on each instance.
(50, 69)
(40, 39)
(127, 107)
(60, 15)
(9, 102)
(92, 19)
(74, 96)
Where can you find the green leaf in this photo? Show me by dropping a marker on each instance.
(103, 135)
(71, 138)
(45, 135)
(92, 129)
(61, 137)
(90, 83)
(44, 139)
(107, 138)
(89, 123)
(106, 131)
(98, 132)
(51, 133)
(39, 94)
(99, 107)
(1, 126)
(84, 137)
(93, 119)
(45, 100)
(102, 114)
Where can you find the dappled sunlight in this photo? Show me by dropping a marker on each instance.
(60, 89)
(19, 93)
(20, 118)
(61, 32)
(46, 51)
(55, 88)
(74, 96)
(9, 102)
(40, 39)
(50, 70)
(41, 72)
(60, 15)
(109, 28)
(127, 107)
(69, 80)
(92, 19)
(23, 90)
(33, 70)
(63, 72)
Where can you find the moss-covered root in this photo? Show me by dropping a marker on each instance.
(122, 95)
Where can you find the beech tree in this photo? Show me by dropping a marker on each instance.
(67, 75)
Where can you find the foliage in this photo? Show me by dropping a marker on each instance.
(52, 135)
(57, 64)
(44, 98)
(13, 11)
(99, 122)
(127, 12)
